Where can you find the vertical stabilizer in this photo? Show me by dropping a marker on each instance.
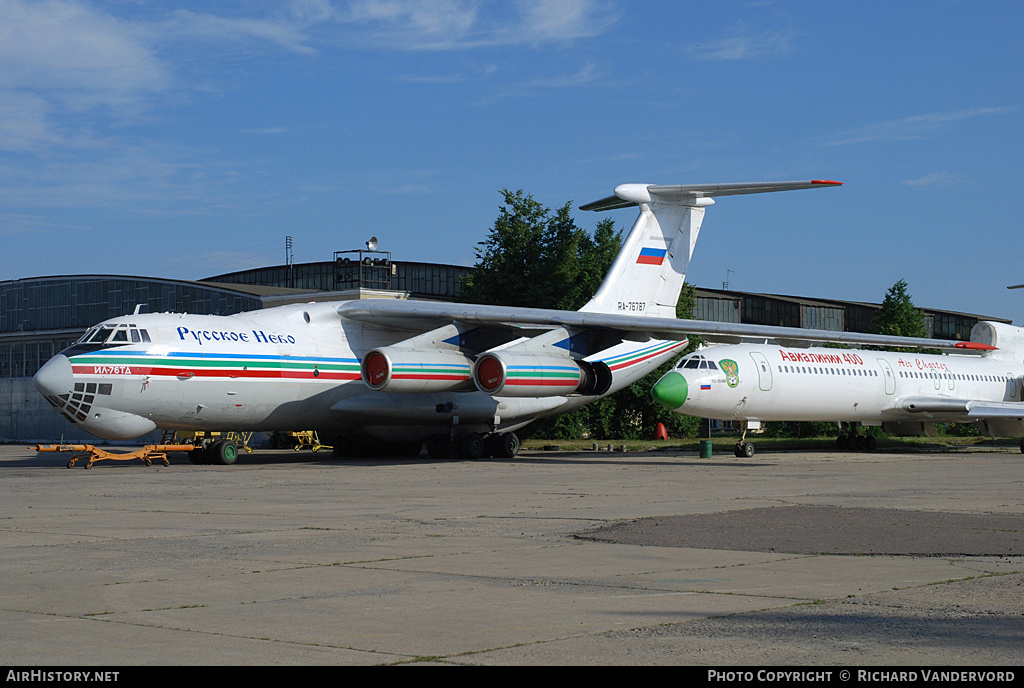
(649, 271)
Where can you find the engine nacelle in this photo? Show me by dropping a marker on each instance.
(539, 375)
(1000, 335)
(410, 370)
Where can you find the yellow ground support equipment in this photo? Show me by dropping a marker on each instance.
(307, 438)
(241, 439)
(90, 454)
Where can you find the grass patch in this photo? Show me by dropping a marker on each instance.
(725, 444)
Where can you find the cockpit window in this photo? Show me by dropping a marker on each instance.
(696, 361)
(104, 336)
(100, 334)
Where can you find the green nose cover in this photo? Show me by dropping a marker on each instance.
(670, 391)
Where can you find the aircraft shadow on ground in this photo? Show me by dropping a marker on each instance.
(326, 457)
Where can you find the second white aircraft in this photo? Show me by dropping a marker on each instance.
(905, 393)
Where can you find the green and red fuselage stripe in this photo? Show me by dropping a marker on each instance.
(222, 365)
(121, 363)
(635, 357)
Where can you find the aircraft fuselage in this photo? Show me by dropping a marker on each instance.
(768, 382)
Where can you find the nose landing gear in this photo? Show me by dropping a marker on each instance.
(743, 449)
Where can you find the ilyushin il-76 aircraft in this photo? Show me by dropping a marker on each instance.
(397, 373)
(905, 393)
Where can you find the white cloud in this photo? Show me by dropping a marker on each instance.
(433, 25)
(914, 127)
(935, 179)
(559, 20)
(81, 57)
(745, 46)
(285, 31)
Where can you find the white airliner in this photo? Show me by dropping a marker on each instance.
(461, 377)
(905, 393)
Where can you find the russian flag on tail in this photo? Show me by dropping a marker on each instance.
(652, 256)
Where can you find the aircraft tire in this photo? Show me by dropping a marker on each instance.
(198, 457)
(870, 443)
(471, 446)
(1022, 446)
(744, 450)
(507, 445)
(224, 452)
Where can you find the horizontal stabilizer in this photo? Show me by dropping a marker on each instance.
(627, 195)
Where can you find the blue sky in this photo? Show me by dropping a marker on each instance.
(184, 140)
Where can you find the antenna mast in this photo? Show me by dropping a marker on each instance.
(289, 260)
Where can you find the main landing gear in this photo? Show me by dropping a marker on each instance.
(473, 445)
(854, 440)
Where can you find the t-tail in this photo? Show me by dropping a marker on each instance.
(649, 271)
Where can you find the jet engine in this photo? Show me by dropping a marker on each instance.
(394, 369)
(539, 375)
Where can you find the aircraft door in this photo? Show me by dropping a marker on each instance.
(890, 378)
(764, 371)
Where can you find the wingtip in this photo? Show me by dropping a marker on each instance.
(975, 346)
(828, 182)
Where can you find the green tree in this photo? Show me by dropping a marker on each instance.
(537, 257)
(898, 316)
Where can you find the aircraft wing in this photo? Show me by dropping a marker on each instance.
(974, 409)
(425, 315)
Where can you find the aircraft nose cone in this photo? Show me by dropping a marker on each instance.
(55, 377)
(670, 391)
